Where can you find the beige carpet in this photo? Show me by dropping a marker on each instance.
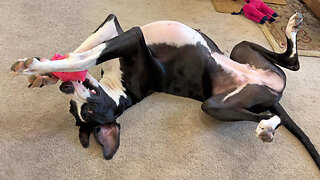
(163, 137)
(308, 37)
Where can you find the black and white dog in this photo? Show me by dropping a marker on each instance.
(170, 57)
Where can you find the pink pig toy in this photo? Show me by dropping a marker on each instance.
(68, 76)
(257, 11)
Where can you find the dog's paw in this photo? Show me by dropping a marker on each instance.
(40, 80)
(266, 128)
(27, 66)
(264, 132)
(294, 24)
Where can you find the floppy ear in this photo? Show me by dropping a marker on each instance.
(108, 136)
(84, 134)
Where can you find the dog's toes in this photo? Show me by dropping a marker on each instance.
(265, 134)
(298, 20)
(266, 128)
(28, 62)
(294, 23)
(37, 82)
(17, 66)
(40, 80)
(26, 66)
(49, 80)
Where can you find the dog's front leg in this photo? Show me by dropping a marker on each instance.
(74, 62)
(123, 45)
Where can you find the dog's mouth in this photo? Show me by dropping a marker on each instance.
(92, 89)
(83, 89)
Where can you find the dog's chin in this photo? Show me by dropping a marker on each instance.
(108, 136)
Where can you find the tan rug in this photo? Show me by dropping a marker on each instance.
(229, 6)
(282, 2)
(308, 38)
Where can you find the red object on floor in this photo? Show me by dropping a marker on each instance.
(68, 76)
(258, 11)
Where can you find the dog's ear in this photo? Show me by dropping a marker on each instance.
(84, 134)
(108, 137)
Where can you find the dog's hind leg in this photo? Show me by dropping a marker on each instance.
(249, 103)
(256, 55)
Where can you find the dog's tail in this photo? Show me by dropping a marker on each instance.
(296, 131)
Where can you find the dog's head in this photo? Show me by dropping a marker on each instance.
(96, 106)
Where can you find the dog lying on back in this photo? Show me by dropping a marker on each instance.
(170, 57)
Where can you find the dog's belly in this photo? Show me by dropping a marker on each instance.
(184, 56)
(235, 75)
(183, 70)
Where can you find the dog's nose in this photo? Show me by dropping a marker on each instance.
(67, 87)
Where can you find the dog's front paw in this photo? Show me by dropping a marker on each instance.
(27, 66)
(40, 80)
(266, 128)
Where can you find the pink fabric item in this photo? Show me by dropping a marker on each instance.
(68, 76)
(256, 10)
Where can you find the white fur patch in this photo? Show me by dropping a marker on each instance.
(171, 33)
(294, 40)
(79, 101)
(236, 91)
(111, 81)
(79, 105)
(291, 33)
(273, 122)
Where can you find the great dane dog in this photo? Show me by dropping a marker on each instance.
(170, 57)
